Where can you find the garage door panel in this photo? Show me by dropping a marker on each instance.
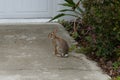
(33, 6)
(2, 6)
(26, 8)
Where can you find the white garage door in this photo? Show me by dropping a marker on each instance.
(26, 8)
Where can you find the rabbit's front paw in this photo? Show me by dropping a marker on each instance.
(58, 55)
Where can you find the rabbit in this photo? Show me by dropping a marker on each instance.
(61, 47)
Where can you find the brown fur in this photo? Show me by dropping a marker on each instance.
(61, 47)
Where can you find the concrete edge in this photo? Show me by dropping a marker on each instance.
(20, 21)
(92, 64)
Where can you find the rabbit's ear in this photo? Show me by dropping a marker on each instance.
(49, 35)
(55, 30)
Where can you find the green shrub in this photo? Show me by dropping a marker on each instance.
(104, 17)
(116, 65)
(117, 78)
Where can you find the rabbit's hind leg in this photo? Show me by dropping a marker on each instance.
(56, 52)
(58, 55)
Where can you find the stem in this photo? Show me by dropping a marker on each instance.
(74, 27)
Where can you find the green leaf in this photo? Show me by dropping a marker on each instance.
(77, 6)
(64, 10)
(118, 36)
(67, 5)
(88, 38)
(117, 78)
(73, 15)
(116, 65)
(57, 16)
(75, 35)
(61, 15)
(79, 9)
(70, 2)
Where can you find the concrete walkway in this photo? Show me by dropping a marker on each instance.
(26, 53)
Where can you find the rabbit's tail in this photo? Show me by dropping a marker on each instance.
(64, 55)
